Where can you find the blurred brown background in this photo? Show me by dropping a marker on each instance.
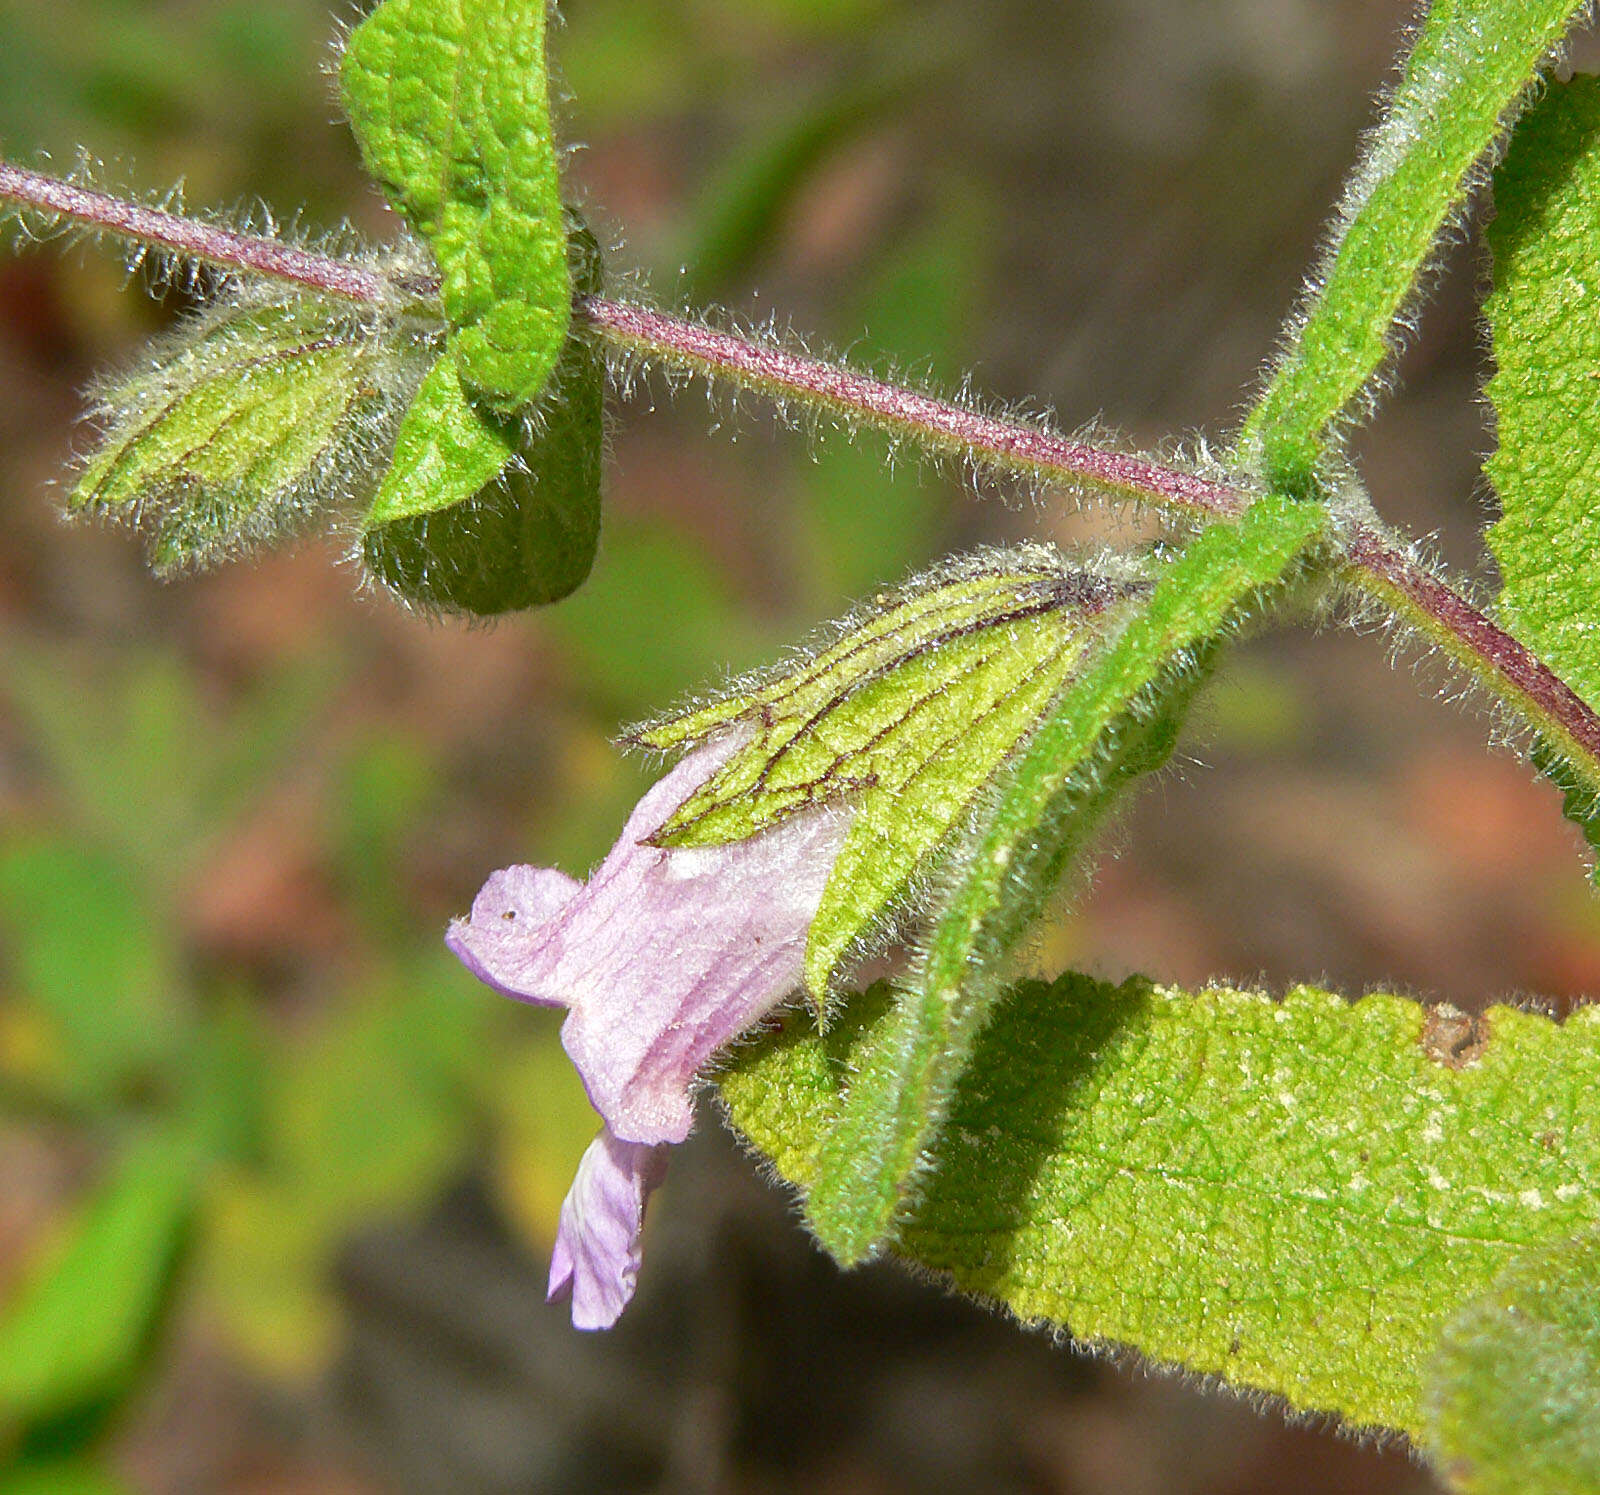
(236, 810)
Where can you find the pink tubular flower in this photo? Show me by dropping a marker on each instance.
(661, 958)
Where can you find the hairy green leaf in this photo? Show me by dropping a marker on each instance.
(482, 514)
(919, 796)
(449, 100)
(1295, 1196)
(81, 1318)
(1111, 726)
(895, 691)
(894, 627)
(526, 537)
(1514, 1406)
(244, 428)
(1580, 799)
(446, 450)
(1467, 75)
(1546, 388)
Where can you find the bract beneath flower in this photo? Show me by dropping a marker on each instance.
(662, 957)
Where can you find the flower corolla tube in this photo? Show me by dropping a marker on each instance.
(661, 958)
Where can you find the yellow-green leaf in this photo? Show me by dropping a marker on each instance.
(1544, 318)
(1113, 724)
(1470, 70)
(1293, 1195)
(484, 514)
(906, 715)
(244, 428)
(449, 100)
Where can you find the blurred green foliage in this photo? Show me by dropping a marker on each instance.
(1511, 1400)
(212, 1122)
(137, 70)
(60, 1477)
(75, 1330)
(226, 95)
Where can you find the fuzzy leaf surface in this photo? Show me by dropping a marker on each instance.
(241, 430)
(449, 100)
(907, 716)
(1517, 1381)
(897, 626)
(1114, 724)
(1546, 242)
(1466, 77)
(527, 536)
(1293, 1195)
(483, 514)
(446, 450)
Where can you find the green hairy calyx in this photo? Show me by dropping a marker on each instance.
(907, 715)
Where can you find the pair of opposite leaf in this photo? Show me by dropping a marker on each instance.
(457, 423)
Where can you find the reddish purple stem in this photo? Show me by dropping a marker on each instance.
(1495, 650)
(1488, 649)
(936, 422)
(192, 239)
